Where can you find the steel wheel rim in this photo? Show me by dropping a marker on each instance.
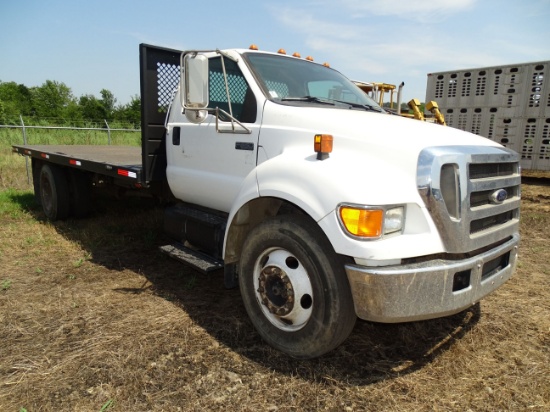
(283, 289)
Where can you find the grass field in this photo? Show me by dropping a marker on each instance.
(94, 318)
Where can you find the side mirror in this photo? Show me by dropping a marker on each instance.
(195, 82)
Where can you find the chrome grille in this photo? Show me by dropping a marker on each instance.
(485, 223)
(485, 170)
(472, 194)
(483, 198)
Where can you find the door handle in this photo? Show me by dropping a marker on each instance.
(244, 146)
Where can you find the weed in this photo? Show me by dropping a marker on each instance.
(6, 284)
(107, 405)
(78, 263)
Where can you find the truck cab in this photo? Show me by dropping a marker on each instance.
(332, 207)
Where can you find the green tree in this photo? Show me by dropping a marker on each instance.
(92, 108)
(73, 112)
(16, 99)
(130, 112)
(108, 102)
(3, 117)
(52, 99)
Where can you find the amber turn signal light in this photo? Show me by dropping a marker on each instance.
(365, 223)
(322, 145)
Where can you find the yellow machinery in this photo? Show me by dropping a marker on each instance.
(432, 106)
(377, 91)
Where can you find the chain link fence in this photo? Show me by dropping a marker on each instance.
(107, 129)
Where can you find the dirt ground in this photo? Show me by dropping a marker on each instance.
(94, 318)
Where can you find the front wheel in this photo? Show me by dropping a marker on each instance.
(294, 287)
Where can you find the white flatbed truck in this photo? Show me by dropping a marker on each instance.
(317, 203)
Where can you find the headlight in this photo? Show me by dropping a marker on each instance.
(393, 221)
(370, 222)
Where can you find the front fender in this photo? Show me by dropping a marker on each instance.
(302, 181)
(264, 190)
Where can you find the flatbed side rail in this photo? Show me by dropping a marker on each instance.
(159, 78)
(129, 174)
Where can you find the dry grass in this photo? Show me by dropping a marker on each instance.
(91, 313)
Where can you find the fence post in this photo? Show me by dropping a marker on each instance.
(23, 129)
(25, 143)
(108, 130)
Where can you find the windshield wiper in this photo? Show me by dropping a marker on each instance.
(368, 107)
(312, 99)
(332, 102)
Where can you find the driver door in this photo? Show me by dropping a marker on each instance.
(210, 162)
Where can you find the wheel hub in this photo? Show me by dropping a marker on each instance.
(276, 292)
(283, 289)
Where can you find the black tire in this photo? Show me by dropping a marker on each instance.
(36, 168)
(54, 192)
(80, 189)
(295, 288)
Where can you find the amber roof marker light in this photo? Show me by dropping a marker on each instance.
(283, 51)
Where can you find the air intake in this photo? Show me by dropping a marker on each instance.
(450, 189)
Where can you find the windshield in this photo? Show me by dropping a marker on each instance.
(292, 80)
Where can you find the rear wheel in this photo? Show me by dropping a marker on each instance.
(294, 287)
(54, 192)
(36, 168)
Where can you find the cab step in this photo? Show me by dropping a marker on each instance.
(194, 258)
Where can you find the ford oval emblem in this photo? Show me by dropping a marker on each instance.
(499, 196)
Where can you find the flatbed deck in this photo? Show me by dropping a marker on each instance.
(121, 162)
(114, 155)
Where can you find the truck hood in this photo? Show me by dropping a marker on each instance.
(361, 128)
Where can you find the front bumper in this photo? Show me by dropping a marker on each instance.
(431, 289)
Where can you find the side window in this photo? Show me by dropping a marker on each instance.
(243, 102)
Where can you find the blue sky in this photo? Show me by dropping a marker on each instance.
(91, 45)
